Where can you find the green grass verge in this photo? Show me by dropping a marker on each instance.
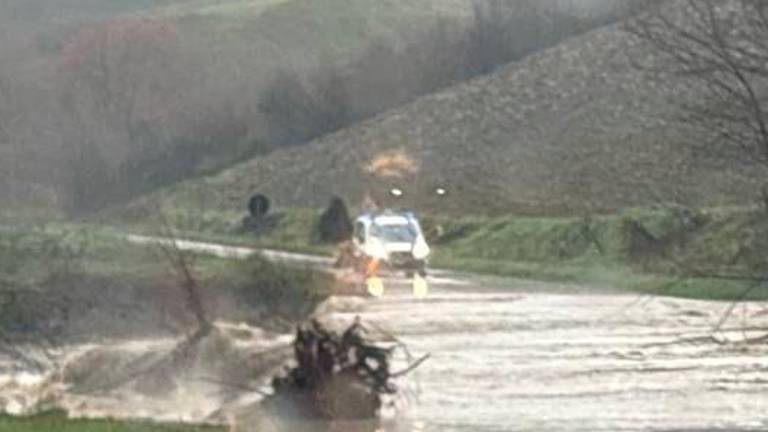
(75, 260)
(677, 251)
(58, 422)
(709, 254)
(29, 253)
(611, 278)
(291, 232)
(698, 253)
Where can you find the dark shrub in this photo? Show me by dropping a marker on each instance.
(334, 225)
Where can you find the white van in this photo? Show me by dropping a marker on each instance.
(393, 239)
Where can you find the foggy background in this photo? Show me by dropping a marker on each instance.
(103, 101)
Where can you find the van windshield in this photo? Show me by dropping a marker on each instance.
(394, 233)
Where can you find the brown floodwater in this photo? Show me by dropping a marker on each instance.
(505, 355)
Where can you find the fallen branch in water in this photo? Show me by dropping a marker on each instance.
(340, 375)
(411, 367)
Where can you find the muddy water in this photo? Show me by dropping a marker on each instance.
(505, 355)
(136, 379)
(520, 359)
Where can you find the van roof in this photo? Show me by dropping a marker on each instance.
(392, 220)
(388, 218)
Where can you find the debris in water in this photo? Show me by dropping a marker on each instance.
(337, 376)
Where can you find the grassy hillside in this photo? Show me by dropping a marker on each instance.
(544, 161)
(715, 253)
(576, 128)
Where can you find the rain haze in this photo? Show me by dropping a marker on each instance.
(383, 215)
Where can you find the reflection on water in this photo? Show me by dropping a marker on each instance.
(375, 286)
(420, 286)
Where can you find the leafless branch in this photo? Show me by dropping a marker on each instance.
(411, 367)
(179, 260)
(718, 50)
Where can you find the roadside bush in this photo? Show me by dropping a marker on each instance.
(334, 225)
(668, 221)
(41, 255)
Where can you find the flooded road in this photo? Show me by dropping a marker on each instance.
(531, 356)
(506, 355)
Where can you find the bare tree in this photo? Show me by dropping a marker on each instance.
(299, 110)
(713, 55)
(116, 87)
(181, 264)
(716, 52)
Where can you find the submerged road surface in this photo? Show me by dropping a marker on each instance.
(506, 355)
(512, 355)
(519, 355)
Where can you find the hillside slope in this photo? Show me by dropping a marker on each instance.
(573, 129)
(186, 81)
(111, 101)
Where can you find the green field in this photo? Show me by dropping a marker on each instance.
(702, 253)
(58, 422)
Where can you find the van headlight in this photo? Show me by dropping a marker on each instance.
(377, 250)
(420, 249)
